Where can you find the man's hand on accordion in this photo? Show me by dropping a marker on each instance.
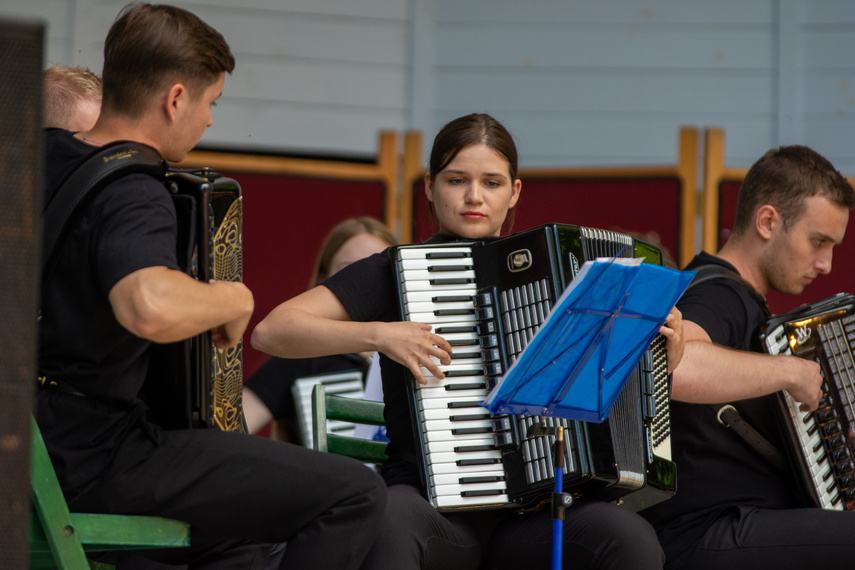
(675, 342)
(805, 385)
(229, 333)
(412, 345)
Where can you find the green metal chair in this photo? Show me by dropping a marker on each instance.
(61, 539)
(329, 407)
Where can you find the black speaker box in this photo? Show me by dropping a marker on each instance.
(21, 54)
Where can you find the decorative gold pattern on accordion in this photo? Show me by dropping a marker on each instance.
(228, 376)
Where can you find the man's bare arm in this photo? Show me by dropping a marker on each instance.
(709, 373)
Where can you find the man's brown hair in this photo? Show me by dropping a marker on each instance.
(783, 178)
(152, 45)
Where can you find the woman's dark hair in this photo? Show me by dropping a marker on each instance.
(477, 128)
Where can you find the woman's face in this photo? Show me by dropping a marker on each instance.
(472, 195)
(354, 249)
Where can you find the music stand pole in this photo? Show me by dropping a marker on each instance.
(560, 502)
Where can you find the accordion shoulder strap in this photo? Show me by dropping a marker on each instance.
(715, 271)
(105, 165)
(729, 417)
(726, 414)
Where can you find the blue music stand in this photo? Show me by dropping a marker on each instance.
(581, 358)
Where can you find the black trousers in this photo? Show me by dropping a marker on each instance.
(241, 494)
(596, 535)
(751, 538)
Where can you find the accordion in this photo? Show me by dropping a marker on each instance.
(487, 299)
(192, 384)
(822, 442)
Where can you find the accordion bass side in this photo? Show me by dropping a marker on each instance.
(822, 442)
(193, 384)
(488, 300)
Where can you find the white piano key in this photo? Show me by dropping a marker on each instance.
(423, 252)
(451, 446)
(455, 414)
(471, 403)
(431, 307)
(426, 275)
(440, 393)
(431, 319)
(406, 266)
(450, 467)
(465, 479)
(424, 285)
(434, 296)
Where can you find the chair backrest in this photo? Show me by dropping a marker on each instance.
(60, 538)
(329, 407)
(290, 205)
(657, 202)
(721, 186)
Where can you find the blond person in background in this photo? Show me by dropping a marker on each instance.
(72, 98)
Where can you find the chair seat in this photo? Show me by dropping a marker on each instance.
(60, 539)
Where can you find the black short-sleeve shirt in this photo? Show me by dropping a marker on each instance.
(130, 225)
(716, 470)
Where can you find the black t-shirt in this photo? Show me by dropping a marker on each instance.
(273, 382)
(367, 290)
(130, 225)
(716, 470)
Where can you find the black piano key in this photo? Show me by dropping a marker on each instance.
(469, 417)
(471, 431)
(463, 355)
(447, 254)
(473, 448)
(452, 312)
(458, 405)
(470, 386)
(458, 329)
(484, 479)
(452, 299)
(445, 268)
(463, 342)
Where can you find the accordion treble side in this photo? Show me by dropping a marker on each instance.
(821, 443)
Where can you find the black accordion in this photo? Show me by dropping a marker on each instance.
(192, 384)
(487, 299)
(822, 442)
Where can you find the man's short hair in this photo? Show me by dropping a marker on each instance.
(783, 178)
(65, 88)
(152, 45)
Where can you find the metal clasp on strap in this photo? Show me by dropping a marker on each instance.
(722, 410)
